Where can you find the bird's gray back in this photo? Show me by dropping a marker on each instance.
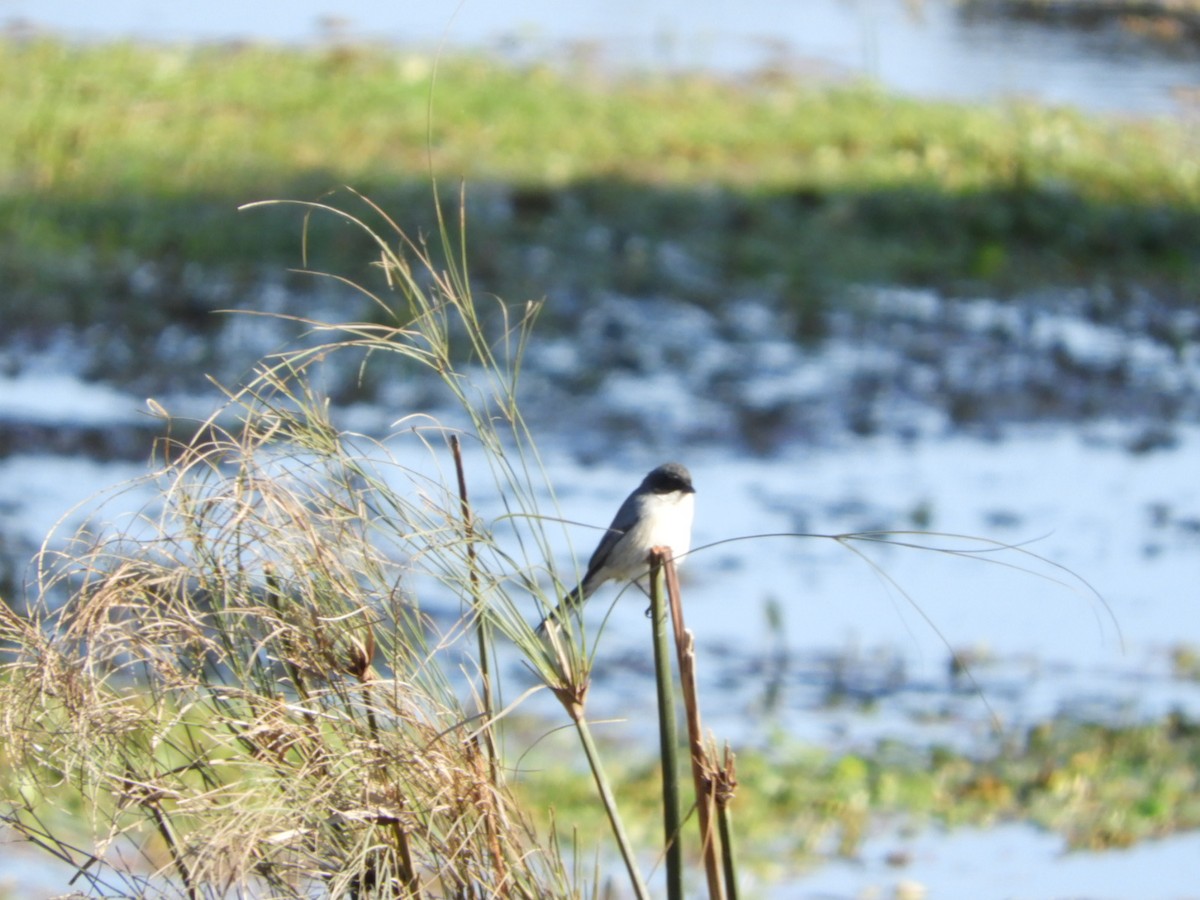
(626, 517)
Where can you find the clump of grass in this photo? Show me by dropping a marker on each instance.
(1185, 662)
(246, 687)
(259, 684)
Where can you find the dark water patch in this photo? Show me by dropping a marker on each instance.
(658, 371)
(1127, 25)
(101, 443)
(894, 362)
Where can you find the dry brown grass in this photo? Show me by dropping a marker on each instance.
(242, 687)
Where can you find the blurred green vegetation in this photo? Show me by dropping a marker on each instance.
(124, 165)
(1099, 786)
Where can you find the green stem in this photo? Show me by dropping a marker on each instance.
(668, 736)
(727, 859)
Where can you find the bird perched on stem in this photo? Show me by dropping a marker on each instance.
(657, 514)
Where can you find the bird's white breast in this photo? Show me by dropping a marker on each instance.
(674, 524)
(665, 521)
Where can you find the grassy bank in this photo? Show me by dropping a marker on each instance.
(122, 155)
(1097, 786)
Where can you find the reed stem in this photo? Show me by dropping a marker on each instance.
(668, 734)
(710, 840)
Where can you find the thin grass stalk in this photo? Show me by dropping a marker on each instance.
(482, 631)
(608, 798)
(162, 823)
(409, 876)
(483, 636)
(668, 735)
(408, 871)
(701, 765)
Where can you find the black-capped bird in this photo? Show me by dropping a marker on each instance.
(657, 514)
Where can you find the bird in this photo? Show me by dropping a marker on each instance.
(657, 514)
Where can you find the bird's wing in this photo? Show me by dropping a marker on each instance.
(624, 520)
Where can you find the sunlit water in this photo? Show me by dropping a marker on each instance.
(1002, 862)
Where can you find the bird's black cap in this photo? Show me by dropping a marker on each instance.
(668, 478)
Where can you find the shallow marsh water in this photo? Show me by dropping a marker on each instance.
(862, 438)
(1003, 861)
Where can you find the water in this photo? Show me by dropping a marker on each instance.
(27, 874)
(1099, 503)
(1045, 644)
(1002, 862)
(930, 49)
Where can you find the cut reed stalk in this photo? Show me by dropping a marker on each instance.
(710, 841)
